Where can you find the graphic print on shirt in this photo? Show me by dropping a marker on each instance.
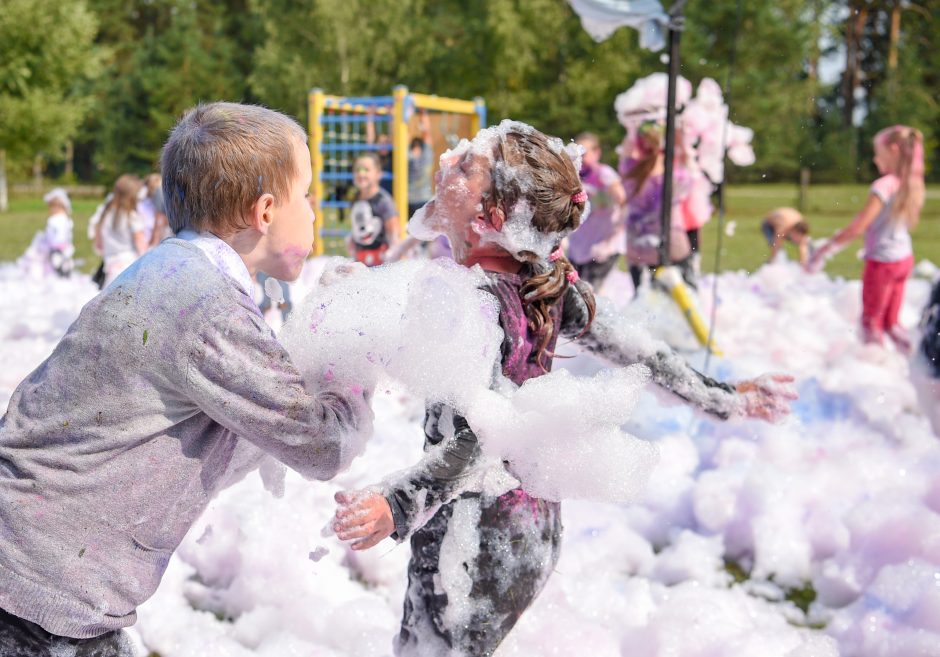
(366, 226)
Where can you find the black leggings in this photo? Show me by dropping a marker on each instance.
(518, 538)
(693, 238)
(21, 638)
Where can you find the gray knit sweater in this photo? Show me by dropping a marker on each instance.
(166, 387)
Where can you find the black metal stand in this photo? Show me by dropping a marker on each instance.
(676, 25)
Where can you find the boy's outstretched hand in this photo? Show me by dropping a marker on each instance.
(363, 517)
(768, 397)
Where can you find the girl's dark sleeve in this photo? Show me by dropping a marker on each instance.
(414, 495)
(620, 342)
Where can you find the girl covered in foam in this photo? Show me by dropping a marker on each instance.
(505, 201)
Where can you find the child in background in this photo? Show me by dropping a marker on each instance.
(642, 171)
(892, 209)
(373, 215)
(420, 156)
(153, 189)
(598, 243)
(58, 233)
(168, 387)
(925, 366)
(121, 232)
(506, 201)
(786, 225)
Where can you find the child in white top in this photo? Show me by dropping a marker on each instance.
(121, 235)
(58, 233)
(892, 209)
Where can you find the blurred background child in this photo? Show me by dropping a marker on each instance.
(925, 366)
(596, 246)
(892, 209)
(52, 249)
(420, 158)
(373, 215)
(786, 225)
(120, 234)
(58, 233)
(642, 171)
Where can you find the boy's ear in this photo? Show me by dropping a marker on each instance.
(261, 214)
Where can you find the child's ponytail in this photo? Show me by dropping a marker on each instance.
(543, 290)
(910, 197)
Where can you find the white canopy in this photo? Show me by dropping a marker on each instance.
(601, 18)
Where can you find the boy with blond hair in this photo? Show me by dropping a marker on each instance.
(167, 388)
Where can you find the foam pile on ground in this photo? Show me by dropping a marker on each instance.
(740, 523)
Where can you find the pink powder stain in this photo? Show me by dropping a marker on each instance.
(355, 389)
(329, 377)
(519, 499)
(295, 255)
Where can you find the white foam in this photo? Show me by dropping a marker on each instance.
(853, 476)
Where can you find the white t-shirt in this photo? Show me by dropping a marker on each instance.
(59, 231)
(887, 239)
(117, 237)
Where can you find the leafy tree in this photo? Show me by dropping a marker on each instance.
(46, 53)
(165, 56)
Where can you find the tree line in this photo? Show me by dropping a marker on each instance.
(89, 88)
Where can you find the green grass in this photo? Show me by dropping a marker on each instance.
(828, 208)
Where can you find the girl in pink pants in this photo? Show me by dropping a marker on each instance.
(892, 209)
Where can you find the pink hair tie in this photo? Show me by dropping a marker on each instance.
(555, 256)
(572, 277)
(579, 197)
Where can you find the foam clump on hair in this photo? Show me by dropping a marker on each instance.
(518, 236)
(429, 326)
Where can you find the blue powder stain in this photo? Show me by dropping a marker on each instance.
(816, 404)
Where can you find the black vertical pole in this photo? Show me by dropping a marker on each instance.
(675, 30)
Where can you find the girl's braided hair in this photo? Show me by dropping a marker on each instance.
(549, 188)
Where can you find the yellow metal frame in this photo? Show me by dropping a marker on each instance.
(401, 103)
(315, 104)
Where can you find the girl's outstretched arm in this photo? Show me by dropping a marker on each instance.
(621, 342)
(405, 501)
(859, 225)
(861, 222)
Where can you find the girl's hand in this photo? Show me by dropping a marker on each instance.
(819, 257)
(768, 397)
(363, 517)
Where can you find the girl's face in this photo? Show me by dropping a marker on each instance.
(457, 207)
(886, 157)
(592, 154)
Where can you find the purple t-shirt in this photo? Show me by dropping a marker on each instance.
(644, 225)
(603, 234)
(887, 239)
